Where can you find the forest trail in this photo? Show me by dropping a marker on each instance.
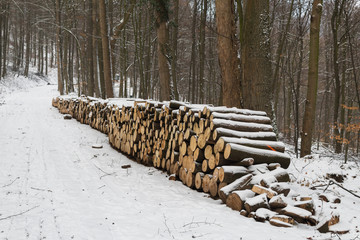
(54, 185)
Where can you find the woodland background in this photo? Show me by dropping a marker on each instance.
(123, 46)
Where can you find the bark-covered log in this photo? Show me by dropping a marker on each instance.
(229, 174)
(252, 204)
(268, 145)
(237, 152)
(236, 199)
(240, 126)
(224, 132)
(239, 184)
(241, 117)
(223, 109)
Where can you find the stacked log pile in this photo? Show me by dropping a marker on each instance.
(230, 153)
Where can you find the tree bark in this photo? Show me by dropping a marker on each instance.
(89, 52)
(227, 51)
(58, 47)
(105, 49)
(310, 105)
(162, 45)
(174, 48)
(256, 66)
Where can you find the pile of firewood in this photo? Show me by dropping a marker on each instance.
(230, 153)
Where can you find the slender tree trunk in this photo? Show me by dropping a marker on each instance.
(202, 51)
(28, 38)
(162, 16)
(227, 53)
(192, 69)
(90, 48)
(105, 49)
(335, 22)
(58, 46)
(94, 47)
(310, 105)
(174, 48)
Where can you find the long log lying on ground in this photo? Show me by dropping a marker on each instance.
(240, 117)
(240, 126)
(268, 145)
(237, 152)
(224, 132)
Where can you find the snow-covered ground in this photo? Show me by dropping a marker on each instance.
(54, 185)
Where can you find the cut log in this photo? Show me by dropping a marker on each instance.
(221, 185)
(262, 190)
(241, 117)
(263, 214)
(282, 221)
(208, 151)
(206, 182)
(212, 162)
(236, 199)
(222, 109)
(236, 152)
(300, 215)
(221, 161)
(252, 204)
(239, 184)
(268, 145)
(277, 202)
(229, 174)
(190, 180)
(213, 187)
(198, 180)
(240, 126)
(307, 205)
(223, 132)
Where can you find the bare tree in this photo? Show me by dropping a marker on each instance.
(227, 50)
(310, 105)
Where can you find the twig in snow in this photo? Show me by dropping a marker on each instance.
(6, 185)
(40, 189)
(18, 214)
(331, 182)
(198, 223)
(106, 174)
(168, 229)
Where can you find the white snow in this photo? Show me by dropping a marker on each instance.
(54, 185)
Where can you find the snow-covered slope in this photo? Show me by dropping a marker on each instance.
(54, 185)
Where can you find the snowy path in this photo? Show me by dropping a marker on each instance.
(53, 185)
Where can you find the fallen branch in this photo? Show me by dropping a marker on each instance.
(40, 189)
(18, 214)
(11, 182)
(331, 182)
(106, 174)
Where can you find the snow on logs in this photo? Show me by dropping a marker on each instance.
(230, 153)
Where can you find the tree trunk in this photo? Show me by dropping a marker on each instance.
(202, 51)
(105, 49)
(89, 52)
(335, 22)
(162, 45)
(174, 48)
(94, 47)
(310, 105)
(58, 46)
(227, 51)
(256, 65)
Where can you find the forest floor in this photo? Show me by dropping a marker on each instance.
(54, 185)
